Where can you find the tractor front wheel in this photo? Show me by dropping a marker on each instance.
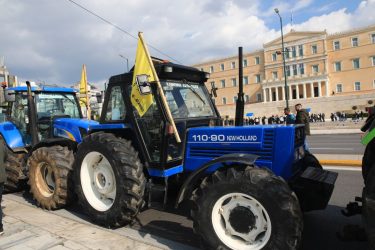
(49, 176)
(246, 208)
(109, 178)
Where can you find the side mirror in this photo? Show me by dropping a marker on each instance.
(143, 84)
(99, 98)
(9, 95)
(213, 89)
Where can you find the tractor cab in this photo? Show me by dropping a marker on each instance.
(50, 103)
(188, 100)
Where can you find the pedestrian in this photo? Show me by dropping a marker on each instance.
(2, 181)
(302, 117)
(289, 117)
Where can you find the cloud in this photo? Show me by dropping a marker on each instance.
(50, 40)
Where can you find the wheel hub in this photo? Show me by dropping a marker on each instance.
(242, 219)
(103, 180)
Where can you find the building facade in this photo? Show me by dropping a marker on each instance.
(325, 72)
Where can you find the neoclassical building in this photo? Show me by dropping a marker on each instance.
(325, 72)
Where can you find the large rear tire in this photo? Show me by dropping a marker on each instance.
(14, 170)
(246, 208)
(109, 178)
(50, 176)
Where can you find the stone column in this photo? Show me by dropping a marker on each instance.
(264, 95)
(304, 91)
(319, 89)
(297, 91)
(312, 89)
(290, 92)
(283, 93)
(277, 93)
(327, 93)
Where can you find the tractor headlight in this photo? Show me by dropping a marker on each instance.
(299, 153)
(301, 150)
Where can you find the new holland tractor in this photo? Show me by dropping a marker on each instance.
(246, 185)
(42, 128)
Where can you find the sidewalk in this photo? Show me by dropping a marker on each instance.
(27, 227)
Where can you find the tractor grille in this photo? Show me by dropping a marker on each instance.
(265, 153)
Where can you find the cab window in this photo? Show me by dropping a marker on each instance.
(116, 107)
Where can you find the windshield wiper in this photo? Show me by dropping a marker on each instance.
(195, 92)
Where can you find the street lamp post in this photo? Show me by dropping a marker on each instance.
(283, 53)
(127, 61)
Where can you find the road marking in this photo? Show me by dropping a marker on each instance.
(348, 149)
(342, 168)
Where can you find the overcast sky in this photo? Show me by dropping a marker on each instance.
(49, 40)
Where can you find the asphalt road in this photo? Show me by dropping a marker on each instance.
(320, 227)
(336, 144)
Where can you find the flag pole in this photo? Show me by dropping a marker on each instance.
(160, 89)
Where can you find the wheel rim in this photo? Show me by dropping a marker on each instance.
(241, 222)
(45, 179)
(98, 181)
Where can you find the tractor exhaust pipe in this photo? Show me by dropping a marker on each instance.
(240, 104)
(33, 126)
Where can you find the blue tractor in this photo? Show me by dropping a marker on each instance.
(42, 128)
(246, 185)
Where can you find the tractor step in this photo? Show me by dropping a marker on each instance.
(157, 195)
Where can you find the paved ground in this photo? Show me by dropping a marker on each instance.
(28, 227)
(340, 144)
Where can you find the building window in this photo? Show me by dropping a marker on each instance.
(222, 67)
(235, 99)
(314, 49)
(354, 41)
(222, 82)
(357, 86)
(336, 45)
(245, 62)
(274, 57)
(274, 75)
(259, 97)
(315, 68)
(233, 65)
(372, 38)
(373, 60)
(224, 101)
(295, 72)
(257, 60)
(339, 88)
(212, 83)
(247, 98)
(294, 52)
(245, 80)
(211, 69)
(356, 63)
(202, 69)
(300, 50)
(287, 69)
(337, 66)
(301, 68)
(234, 82)
(257, 78)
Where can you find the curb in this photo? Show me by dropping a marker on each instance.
(355, 163)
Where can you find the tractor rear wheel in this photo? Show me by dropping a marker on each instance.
(49, 176)
(109, 178)
(368, 209)
(246, 208)
(14, 166)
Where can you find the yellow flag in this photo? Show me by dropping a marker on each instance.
(143, 67)
(84, 100)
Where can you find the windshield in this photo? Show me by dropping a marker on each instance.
(187, 100)
(55, 104)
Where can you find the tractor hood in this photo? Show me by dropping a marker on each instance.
(75, 129)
